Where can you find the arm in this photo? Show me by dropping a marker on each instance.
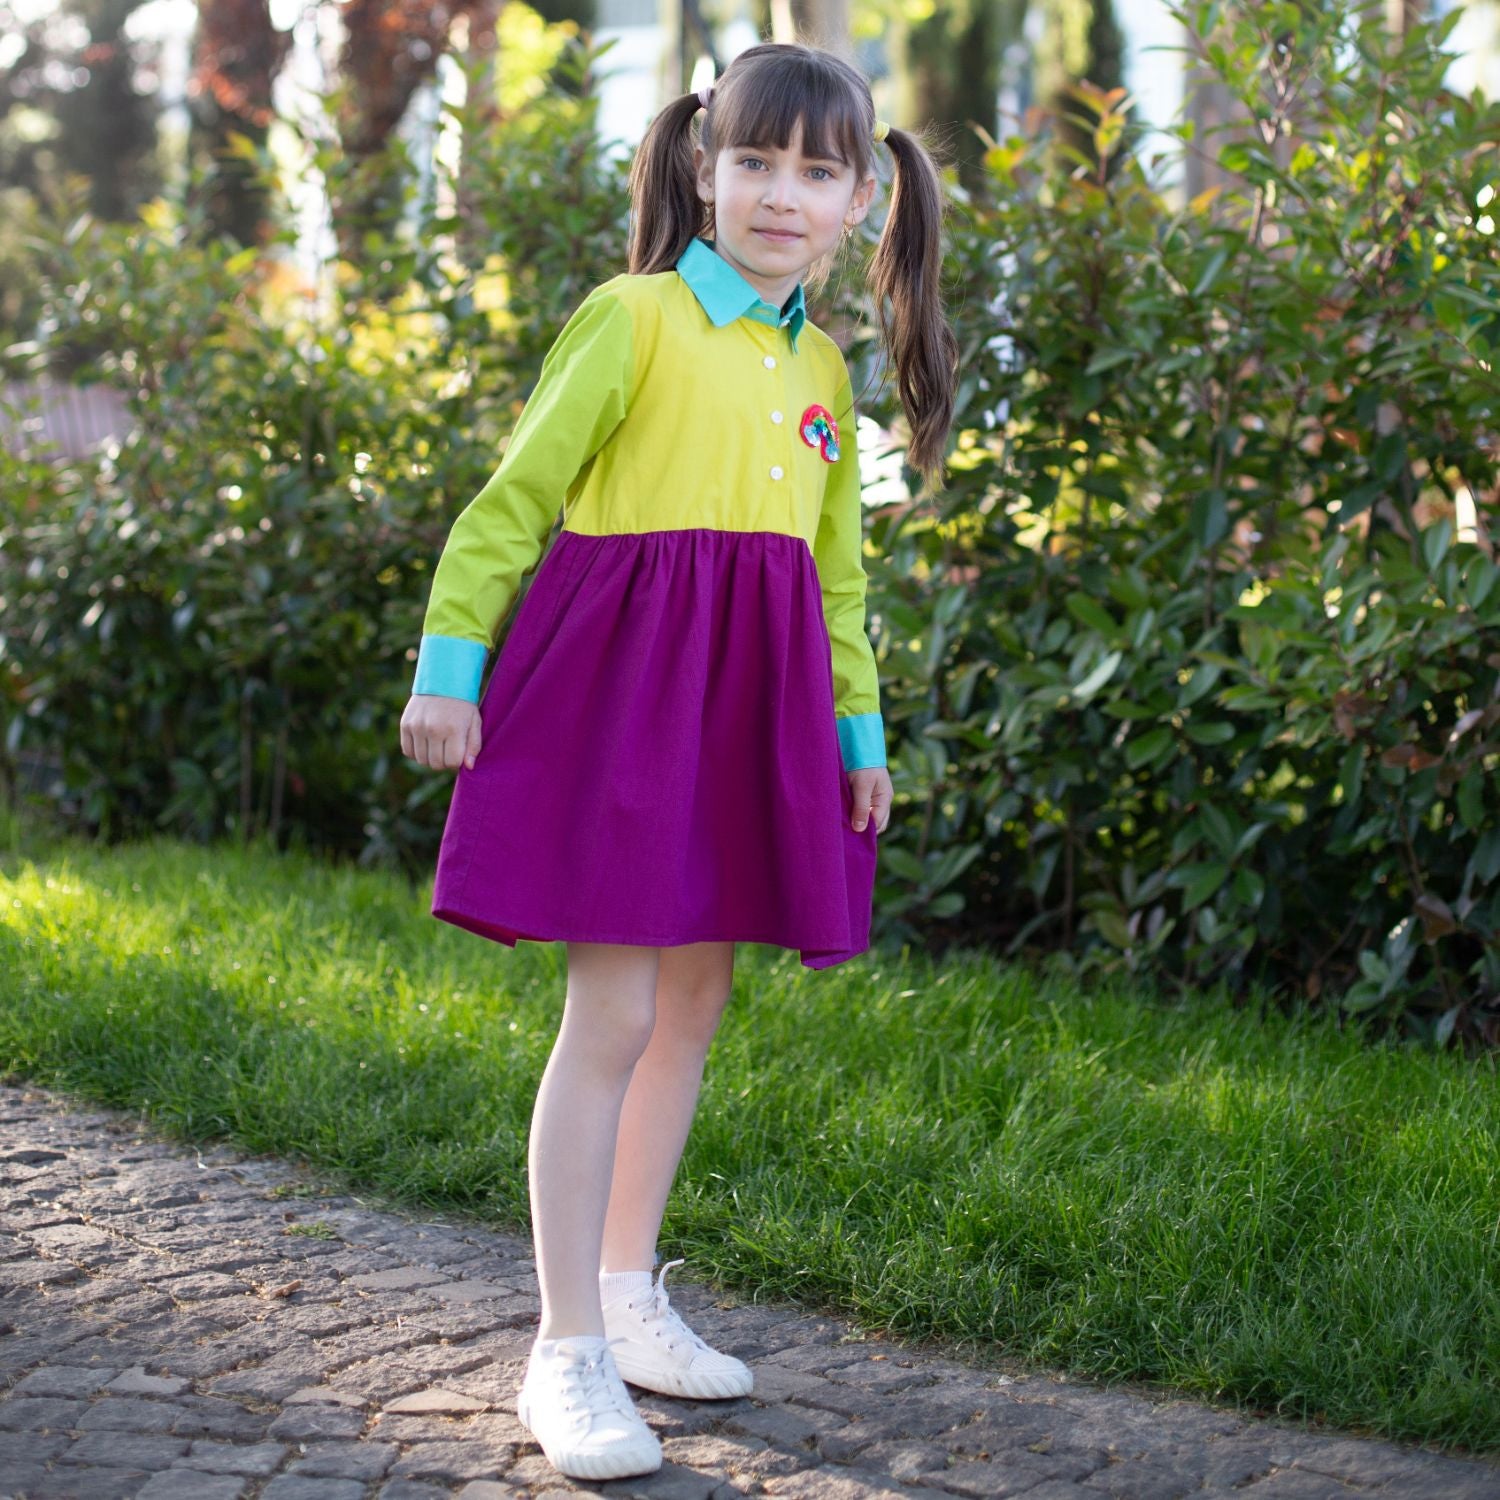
(838, 553)
(580, 397)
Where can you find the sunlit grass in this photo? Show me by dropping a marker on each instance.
(1264, 1212)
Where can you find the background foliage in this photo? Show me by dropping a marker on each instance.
(1191, 669)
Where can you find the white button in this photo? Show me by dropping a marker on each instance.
(769, 361)
(776, 416)
(776, 471)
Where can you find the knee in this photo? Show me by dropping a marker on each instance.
(614, 1035)
(626, 1031)
(693, 988)
(693, 1014)
(610, 1009)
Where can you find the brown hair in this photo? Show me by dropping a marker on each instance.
(764, 91)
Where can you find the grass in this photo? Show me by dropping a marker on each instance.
(1269, 1214)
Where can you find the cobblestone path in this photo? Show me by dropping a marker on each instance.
(185, 1325)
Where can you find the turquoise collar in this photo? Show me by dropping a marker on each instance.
(725, 295)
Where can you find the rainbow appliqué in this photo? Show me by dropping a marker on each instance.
(820, 431)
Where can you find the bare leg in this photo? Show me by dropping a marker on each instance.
(692, 990)
(607, 1022)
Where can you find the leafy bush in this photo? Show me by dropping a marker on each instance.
(1190, 668)
(212, 630)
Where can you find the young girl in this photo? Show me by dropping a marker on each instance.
(680, 746)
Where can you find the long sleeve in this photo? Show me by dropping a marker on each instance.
(838, 553)
(581, 396)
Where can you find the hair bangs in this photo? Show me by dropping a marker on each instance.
(765, 96)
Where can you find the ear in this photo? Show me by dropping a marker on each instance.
(703, 171)
(859, 202)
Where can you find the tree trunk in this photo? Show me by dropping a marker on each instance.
(1080, 41)
(390, 49)
(948, 68)
(823, 23)
(483, 50)
(1401, 15)
(946, 72)
(237, 54)
(106, 130)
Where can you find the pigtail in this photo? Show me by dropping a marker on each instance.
(667, 209)
(905, 270)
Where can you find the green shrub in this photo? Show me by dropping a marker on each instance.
(212, 630)
(1188, 668)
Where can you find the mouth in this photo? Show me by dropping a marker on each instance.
(778, 236)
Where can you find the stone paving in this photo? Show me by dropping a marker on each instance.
(178, 1324)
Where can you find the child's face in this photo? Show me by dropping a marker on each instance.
(758, 188)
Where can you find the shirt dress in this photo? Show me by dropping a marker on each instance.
(668, 724)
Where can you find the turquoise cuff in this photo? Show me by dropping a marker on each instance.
(862, 741)
(450, 667)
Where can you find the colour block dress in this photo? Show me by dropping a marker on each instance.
(667, 727)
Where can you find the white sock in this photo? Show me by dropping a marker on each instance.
(616, 1284)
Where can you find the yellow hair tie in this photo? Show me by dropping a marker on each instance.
(882, 129)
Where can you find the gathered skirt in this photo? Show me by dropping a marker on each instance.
(659, 759)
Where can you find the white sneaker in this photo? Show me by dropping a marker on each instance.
(574, 1403)
(660, 1352)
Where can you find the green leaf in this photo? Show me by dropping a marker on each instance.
(1213, 732)
(1470, 800)
(1479, 577)
(1147, 747)
(1209, 516)
(1203, 678)
(1089, 612)
(1107, 359)
(1362, 996)
(902, 863)
(1484, 863)
(1112, 927)
(1129, 588)
(1211, 270)
(1097, 678)
(1218, 828)
(1249, 887)
(1199, 881)
(1247, 696)
(1351, 772)
(1435, 540)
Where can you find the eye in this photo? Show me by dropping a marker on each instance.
(827, 175)
(746, 160)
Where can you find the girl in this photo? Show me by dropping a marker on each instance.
(681, 744)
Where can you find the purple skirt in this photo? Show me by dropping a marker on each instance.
(659, 760)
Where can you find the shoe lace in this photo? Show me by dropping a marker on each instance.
(589, 1389)
(662, 1318)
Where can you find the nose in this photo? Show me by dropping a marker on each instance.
(780, 190)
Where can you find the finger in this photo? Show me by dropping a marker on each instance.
(474, 742)
(453, 750)
(860, 813)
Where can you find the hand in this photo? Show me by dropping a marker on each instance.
(440, 732)
(871, 786)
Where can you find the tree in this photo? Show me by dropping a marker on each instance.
(69, 103)
(237, 54)
(948, 67)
